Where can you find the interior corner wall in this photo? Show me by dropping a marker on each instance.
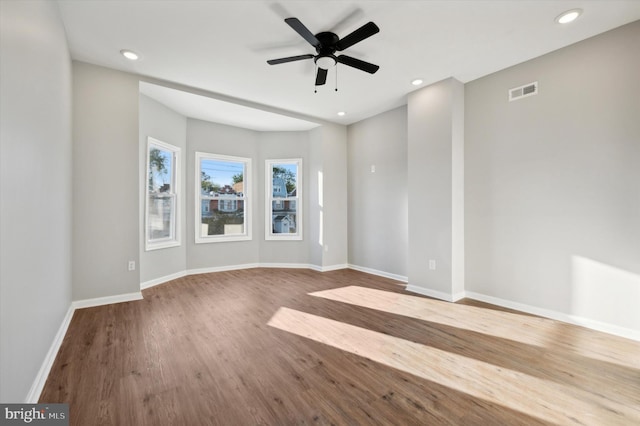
(327, 196)
(552, 182)
(334, 201)
(457, 191)
(434, 160)
(166, 125)
(377, 193)
(35, 194)
(314, 214)
(105, 182)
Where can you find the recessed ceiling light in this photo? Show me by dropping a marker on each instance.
(568, 16)
(341, 113)
(416, 82)
(132, 56)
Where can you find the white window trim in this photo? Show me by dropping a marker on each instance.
(175, 240)
(268, 234)
(247, 200)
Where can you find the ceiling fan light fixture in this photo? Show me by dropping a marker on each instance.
(568, 16)
(326, 62)
(129, 54)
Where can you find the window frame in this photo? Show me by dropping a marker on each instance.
(270, 199)
(246, 191)
(174, 239)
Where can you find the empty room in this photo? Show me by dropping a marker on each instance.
(320, 212)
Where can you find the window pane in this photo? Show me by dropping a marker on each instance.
(160, 219)
(160, 170)
(221, 177)
(283, 223)
(284, 217)
(222, 198)
(223, 215)
(285, 180)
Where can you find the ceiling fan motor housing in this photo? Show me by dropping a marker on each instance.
(325, 58)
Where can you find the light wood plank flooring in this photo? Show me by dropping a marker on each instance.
(295, 347)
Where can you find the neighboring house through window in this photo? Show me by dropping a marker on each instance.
(222, 198)
(283, 210)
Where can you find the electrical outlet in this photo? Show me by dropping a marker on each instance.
(132, 265)
(432, 264)
(373, 168)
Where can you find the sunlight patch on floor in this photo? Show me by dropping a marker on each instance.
(521, 328)
(535, 397)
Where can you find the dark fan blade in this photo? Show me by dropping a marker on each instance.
(303, 31)
(357, 63)
(321, 77)
(365, 31)
(289, 59)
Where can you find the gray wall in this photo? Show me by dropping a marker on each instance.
(159, 122)
(378, 222)
(283, 145)
(203, 136)
(105, 182)
(35, 219)
(553, 181)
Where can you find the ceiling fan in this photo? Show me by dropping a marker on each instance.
(326, 44)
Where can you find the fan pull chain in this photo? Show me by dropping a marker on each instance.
(336, 77)
(315, 88)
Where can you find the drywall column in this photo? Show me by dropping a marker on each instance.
(435, 190)
(328, 248)
(105, 183)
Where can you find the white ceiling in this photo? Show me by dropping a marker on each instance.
(221, 47)
(219, 111)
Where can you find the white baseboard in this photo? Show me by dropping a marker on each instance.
(108, 300)
(220, 269)
(41, 378)
(303, 266)
(378, 273)
(151, 283)
(435, 294)
(329, 268)
(286, 265)
(161, 280)
(559, 316)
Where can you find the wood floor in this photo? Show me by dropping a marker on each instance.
(296, 347)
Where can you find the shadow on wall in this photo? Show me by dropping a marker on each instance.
(605, 293)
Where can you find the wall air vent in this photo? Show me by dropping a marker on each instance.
(529, 89)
